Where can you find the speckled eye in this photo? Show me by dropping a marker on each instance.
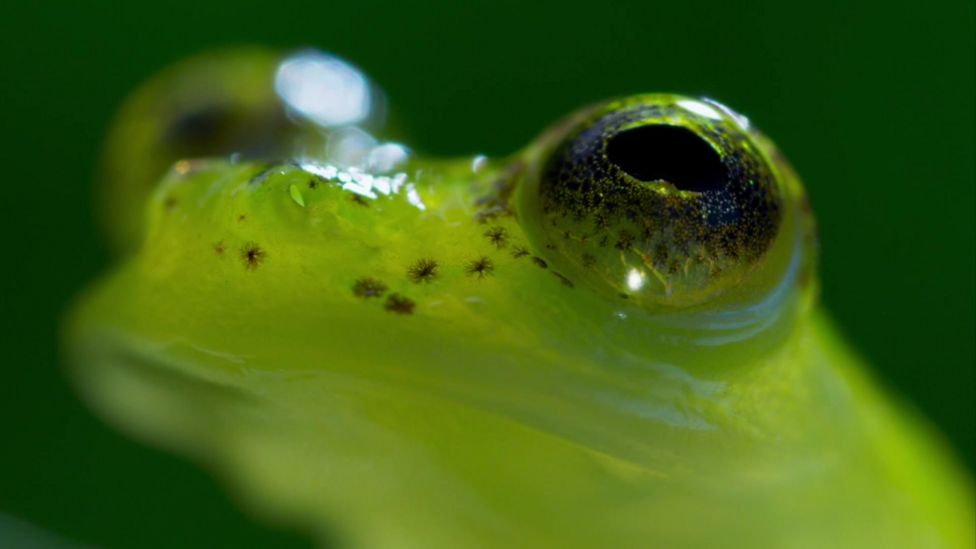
(662, 199)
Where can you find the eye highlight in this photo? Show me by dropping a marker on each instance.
(661, 199)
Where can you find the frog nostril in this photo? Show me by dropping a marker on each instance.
(675, 154)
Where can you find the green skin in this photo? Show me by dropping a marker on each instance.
(287, 332)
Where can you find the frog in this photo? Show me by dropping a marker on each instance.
(612, 337)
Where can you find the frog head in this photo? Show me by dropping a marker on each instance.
(608, 336)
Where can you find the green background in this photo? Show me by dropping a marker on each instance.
(873, 103)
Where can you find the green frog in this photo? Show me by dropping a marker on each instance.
(610, 338)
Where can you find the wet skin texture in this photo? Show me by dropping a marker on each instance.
(610, 338)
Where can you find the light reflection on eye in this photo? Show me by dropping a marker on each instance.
(740, 119)
(323, 89)
(699, 108)
(478, 162)
(635, 280)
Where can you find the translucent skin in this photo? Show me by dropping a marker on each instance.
(415, 369)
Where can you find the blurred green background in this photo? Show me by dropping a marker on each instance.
(873, 103)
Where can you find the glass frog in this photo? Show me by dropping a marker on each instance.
(610, 338)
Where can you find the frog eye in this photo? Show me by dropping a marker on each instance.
(660, 199)
(218, 104)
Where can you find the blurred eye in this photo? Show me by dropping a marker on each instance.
(660, 199)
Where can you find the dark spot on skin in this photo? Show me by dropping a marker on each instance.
(313, 184)
(242, 217)
(540, 262)
(519, 251)
(398, 304)
(480, 267)
(368, 287)
(219, 248)
(252, 255)
(497, 236)
(565, 281)
(424, 270)
(588, 260)
(359, 200)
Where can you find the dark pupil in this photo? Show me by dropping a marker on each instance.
(199, 127)
(668, 153)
